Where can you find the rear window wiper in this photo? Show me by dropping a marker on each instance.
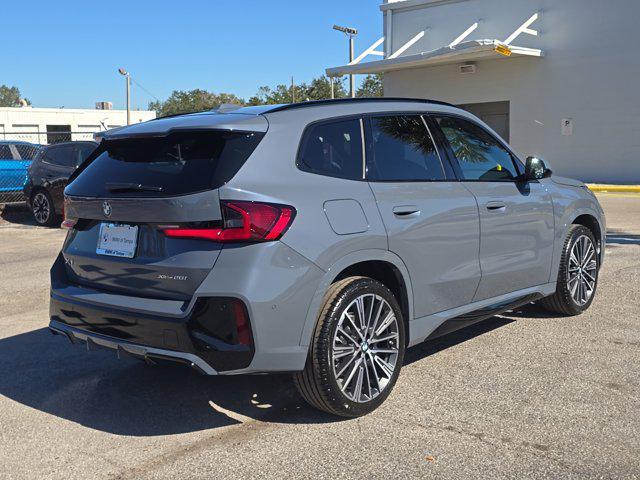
(132, 187)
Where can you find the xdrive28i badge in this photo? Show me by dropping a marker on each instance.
(106, 208)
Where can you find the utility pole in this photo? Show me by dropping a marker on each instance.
(128, 80)
(352, 79)
(293, 91)
(351, 33)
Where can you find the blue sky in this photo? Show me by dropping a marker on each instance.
(67, 53)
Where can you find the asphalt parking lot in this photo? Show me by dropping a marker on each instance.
(521, 395)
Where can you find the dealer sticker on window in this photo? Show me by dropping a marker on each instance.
(117, 240)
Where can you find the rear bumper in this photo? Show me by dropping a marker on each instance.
(201, 333)
(275, 284)
(202, 338)
(143, 352)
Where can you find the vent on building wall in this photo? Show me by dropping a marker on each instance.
(467, 68)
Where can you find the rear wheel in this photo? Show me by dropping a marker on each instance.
(357, 350)
(578, 274)
(42, 208)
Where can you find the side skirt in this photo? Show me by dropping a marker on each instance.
(476, 316)
(436, 324)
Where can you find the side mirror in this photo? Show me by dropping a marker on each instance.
(535, 169)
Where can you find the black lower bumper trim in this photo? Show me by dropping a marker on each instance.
(95, 341)
(205, 335)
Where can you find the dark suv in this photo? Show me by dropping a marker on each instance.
(48, 176)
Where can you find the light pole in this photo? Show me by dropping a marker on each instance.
(128, 78)
(351, 33)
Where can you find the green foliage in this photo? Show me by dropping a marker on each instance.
(10, 96)
(192, 101)
(371, 86)
(318, 89)
(200, 100)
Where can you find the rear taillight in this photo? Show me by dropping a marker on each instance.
(242, 222)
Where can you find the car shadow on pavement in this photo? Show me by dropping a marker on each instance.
(127, 397)
(433, 346)
(17, 214)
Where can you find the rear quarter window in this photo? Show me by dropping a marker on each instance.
(177, 164)
(333, 149)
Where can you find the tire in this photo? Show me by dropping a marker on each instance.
(351, 370)
(572, 297)
(43, 209)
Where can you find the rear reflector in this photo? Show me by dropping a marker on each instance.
(242, 222)
(69, 223)
(243, 328)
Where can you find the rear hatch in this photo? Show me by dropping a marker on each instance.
(131, 190)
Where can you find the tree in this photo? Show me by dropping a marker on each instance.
(318, 89)
(371, 86)
(10, 96)
(192, 101)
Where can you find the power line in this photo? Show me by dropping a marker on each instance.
(139, 85)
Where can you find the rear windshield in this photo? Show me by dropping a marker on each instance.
(177, 164)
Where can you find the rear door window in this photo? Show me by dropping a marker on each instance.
(403, 150)
(480, 156)
(333, 149)
(178, 164)
(84, 151)
(61, 156)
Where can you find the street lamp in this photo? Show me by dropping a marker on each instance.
(128, 77)
(351, 33)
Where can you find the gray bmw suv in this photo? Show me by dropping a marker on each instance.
(321, 238)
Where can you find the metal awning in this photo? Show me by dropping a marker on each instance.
(462, 52)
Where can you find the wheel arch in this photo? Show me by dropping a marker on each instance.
(381, 265)
(591, 222)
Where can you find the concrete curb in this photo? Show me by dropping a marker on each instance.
(597, 187)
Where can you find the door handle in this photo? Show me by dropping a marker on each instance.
(496, 206)
(406, 211)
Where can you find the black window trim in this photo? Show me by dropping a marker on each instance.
(517, 163)
(365, 119)
(449, 162)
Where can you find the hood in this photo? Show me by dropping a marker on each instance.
(570, 182)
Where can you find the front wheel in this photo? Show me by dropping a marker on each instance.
(357, 350)
(578, 274)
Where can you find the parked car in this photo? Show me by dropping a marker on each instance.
(48, 175)
(15, 158)
(322, 238)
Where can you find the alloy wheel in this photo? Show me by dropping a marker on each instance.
(582, 271)
(41, 208)
(365, 348)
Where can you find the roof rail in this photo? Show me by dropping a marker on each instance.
(315, 103)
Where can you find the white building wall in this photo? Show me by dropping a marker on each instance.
(30, 124)
(590, 73)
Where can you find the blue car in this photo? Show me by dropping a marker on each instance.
(15, 159)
